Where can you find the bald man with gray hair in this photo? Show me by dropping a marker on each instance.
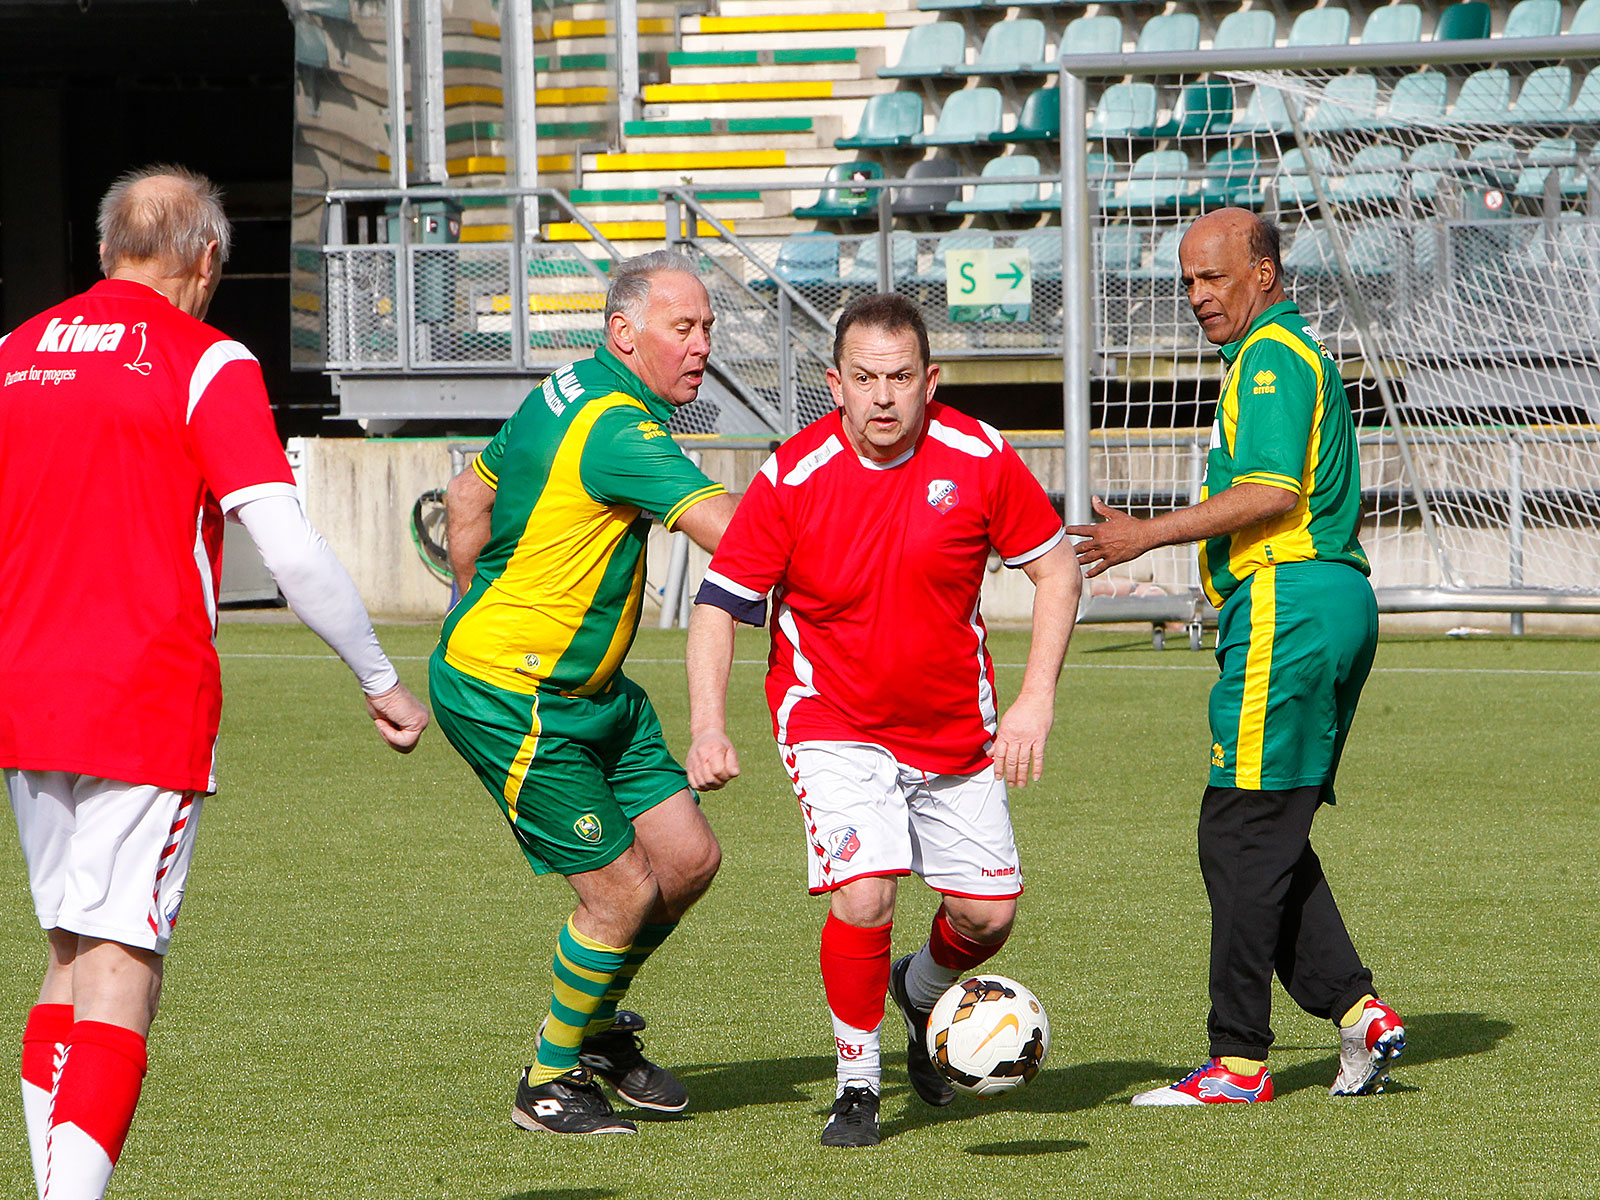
(129, 431)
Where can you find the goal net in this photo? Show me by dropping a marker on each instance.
(1439, 235)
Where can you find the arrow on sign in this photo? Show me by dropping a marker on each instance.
(1015, 275)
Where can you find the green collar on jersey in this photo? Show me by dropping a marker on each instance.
(1281, 309)
(630, 384)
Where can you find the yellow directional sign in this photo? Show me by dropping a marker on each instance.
(988, 285)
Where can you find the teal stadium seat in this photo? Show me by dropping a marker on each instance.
(1321, 27)
(1124, 110)
(1349, 103)
(1417, 98)
(1002, 197)
(942, 5)
(1586, 19)
(1533, 19)
(1373, 176)
(1156, 183)
(1228, 177)
(1092, 35)
(1294, 178)
(1101, 170)
(1044, 252)
(1169, 32)
(936, 271)
(1264, 112)
(1546, 97)
(1495, 165)
(1392, 23)
(1542, 160)
(928, 50)
(1039, 120)
(1425, 184)
(1200, 108)
(1253, 29)
(1372, 250)
(842, 202)
(1121, 248)
(1162, 264)
(1462, 22)
(807, 261)
(310, 47)
(1010, 48)
(863, 271)
(1484, 98)
(968, 117)
(890, 119)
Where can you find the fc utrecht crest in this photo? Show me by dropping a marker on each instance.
(843, 843)
(943, 496)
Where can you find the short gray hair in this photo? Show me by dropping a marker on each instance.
(630, 281)
(167, 224)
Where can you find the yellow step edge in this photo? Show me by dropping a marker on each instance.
(621, 231)
(495, 164)
(807, 90)
(691, 161)
(583, 302)
(478, 94)
(559, 29)
(793, 23)
(486, 233)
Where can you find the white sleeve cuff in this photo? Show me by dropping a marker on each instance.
(255, 492)
(1038, 551)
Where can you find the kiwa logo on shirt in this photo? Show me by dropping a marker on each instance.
(74, 337)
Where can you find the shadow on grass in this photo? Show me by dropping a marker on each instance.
(1056, 1090)
(1018, 1149)
(563, 1194)
(720, 1087)
(1430, 1037)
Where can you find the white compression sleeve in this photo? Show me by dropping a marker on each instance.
(317, 586)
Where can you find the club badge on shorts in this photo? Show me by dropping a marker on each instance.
(843, 843)
(587, 827)
(943, 496)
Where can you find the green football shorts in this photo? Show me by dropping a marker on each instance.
(1295, 644)
(570, 772)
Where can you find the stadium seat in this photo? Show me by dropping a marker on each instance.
(890, 119)
(1418, 98)
(1156, 183)
(1039, 120)
(1163, 261)
(1010, 47)
(843, 203)
(1044, 252)
(1392, 23)
(1484, 98)
(1124, 110)
(927, 199)
(1121, 248)
(806, 260)
(1541, 162)
(935, 273)
(1586, 19)
(1372, 176)
(928, 50)
(939, 5)
(1002, 197)
(1321, 27)
(1092, 35)
(1264, 112)
(1228, 176)
(1200, 108)
(1252, 29)
(1349, 102)
(1546, 97)
(1495, 165)
(1169, 31)
(1425, 184)
(1294, 179)
(863, 271)
(1533, 19)
(968, 117)
(1371, 249)
(1462, 22)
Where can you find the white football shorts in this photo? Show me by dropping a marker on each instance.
(105, 859)
(866, 813)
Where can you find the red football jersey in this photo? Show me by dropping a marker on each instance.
(127, 429)
(875, 571)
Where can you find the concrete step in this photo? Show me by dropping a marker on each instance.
(846, 112)
(838, 71)
(767, 23)
(693, 143)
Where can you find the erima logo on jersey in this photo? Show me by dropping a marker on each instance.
(74, 337)
(587, 827)
(1266, 383)
(943, 496)
(564, 382)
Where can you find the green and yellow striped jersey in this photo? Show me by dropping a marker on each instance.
(556, 596)
(1283, 420)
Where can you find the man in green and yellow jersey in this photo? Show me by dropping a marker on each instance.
(547, 533)
(1297, 628)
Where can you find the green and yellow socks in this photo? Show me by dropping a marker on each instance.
(644, 945)
(585, 972)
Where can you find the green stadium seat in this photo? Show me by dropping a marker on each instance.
(1228, 176)
(310, 46)
(1533, 19)
(1252, 29)
(1169, 31)
(842, 203)
(928, 50)
(1425, 184)
(1200, 108)
(1349, 102)
(1546, 97)
(890, 119)
(927, 199)
(1039, 120)
(1586, 19)
(935, 273)
(1162, 264)
(1009, 48)
(1484, 98)
(1044, 252)
(941, 5)
(1121, 248)
(1264, 112)
(863, 271)
(1321, 27)
(806, 260)
(1372, 176)
(1494, 165)
(1417, 98)
(1585, 108)
(1124, 110)
(1542, 160)
(1392, 23)
(1372, 250)
(1467, 21)
(968, 117)
(1156, 183)
(1092, 35)
(1002, 197)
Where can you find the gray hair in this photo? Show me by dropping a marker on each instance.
(168, 222)
(630, 281)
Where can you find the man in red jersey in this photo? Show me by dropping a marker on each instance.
(871, 529)
(128, 431)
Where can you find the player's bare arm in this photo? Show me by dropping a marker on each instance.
(1120, 537)
(469, 502)
(1020, 740)
(712, 761)
(707, 521)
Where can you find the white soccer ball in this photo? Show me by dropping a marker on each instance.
(988, 1035)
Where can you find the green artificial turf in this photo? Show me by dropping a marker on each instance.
(363, 958)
